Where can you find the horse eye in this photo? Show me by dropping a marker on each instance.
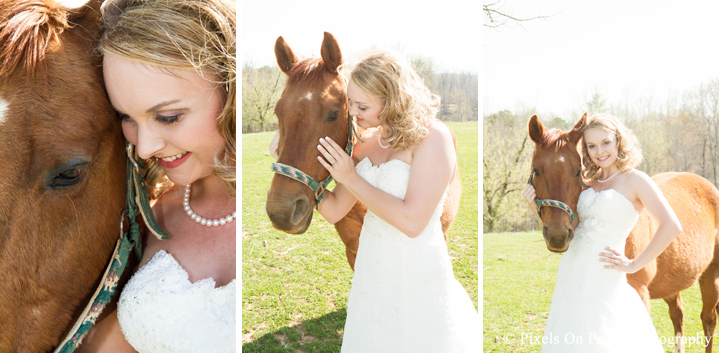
(579, 172)
(536, 171)
(332, 116)
(67, 175)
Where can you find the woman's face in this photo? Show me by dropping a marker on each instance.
(168, 114)
(602, 147)
(365, 108)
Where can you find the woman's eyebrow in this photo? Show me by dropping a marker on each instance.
(160, 105)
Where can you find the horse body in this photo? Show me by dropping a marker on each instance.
(691, 256)
(63, 185)
(314, 105)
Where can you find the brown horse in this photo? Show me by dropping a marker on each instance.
(63, 186)
(690, 257)
(314, 105)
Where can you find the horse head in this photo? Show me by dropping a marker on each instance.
(62, 189)
(556, 176)
(313, 105)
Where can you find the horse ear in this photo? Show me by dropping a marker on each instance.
(578, 129)
(88, 16)
(536, 129)
(285, 56)
(331, 54)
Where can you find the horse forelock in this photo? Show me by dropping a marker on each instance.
(307, 72)
(554, 145)
(552, 139)
(26, 30)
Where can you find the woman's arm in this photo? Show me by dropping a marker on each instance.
(433, 163)
(105, 336)
(336, 203)
(669, 227)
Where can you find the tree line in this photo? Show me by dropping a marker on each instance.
(262, 87)
(678, 135)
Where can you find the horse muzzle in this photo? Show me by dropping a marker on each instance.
(291, 215)
(557, 238)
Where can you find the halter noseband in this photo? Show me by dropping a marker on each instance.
(302, 177)
(552, 203)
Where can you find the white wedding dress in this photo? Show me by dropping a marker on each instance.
(594, 309)
(161, 311)
(404, 296)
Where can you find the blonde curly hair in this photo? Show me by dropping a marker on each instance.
(629, 154)
(194, 35)
(409, 106)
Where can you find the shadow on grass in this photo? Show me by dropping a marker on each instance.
(323, 334)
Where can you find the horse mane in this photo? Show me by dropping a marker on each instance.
(26, 30)
(307, 72)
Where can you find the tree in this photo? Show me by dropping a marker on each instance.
(506, 149)
(424, 67)
(261, 89)
(596, 103)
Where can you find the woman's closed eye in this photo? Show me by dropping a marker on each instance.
(167, 119)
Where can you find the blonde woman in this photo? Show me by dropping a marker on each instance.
(169, 70)
(593, 308)
(404, 296)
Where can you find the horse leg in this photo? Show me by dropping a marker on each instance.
(710, 298)
(676, 313)
(349, 229)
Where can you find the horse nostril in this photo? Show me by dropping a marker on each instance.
(299, 211)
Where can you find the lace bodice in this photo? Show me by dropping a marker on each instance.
(160, 310)
(391, 177)
(608, 211)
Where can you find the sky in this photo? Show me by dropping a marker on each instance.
(638, 49)
(448, 32)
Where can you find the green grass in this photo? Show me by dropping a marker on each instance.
(295, 287)
(518, 281)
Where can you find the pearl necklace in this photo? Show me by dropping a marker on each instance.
(379, 138)
(607, 179)
(201, 220)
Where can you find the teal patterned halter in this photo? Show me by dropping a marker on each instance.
(553, 203)
(317, 187)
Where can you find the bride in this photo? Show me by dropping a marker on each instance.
(169, 69)
(404, 296)
(594, 309)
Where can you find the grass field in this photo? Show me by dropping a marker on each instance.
(295, 287)
(518, 281)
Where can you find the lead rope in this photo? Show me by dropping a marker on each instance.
(137, 202)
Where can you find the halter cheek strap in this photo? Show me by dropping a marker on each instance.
(317, 187)
(137, 203)
(553, 203)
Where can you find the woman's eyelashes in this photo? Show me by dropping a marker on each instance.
(162, 119)
(167, 119)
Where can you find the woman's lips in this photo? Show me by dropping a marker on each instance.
(174, 164)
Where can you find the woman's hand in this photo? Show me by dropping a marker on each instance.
(530, 195)
(336, 160)
(617, 261)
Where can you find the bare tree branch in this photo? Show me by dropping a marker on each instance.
(498, 18)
